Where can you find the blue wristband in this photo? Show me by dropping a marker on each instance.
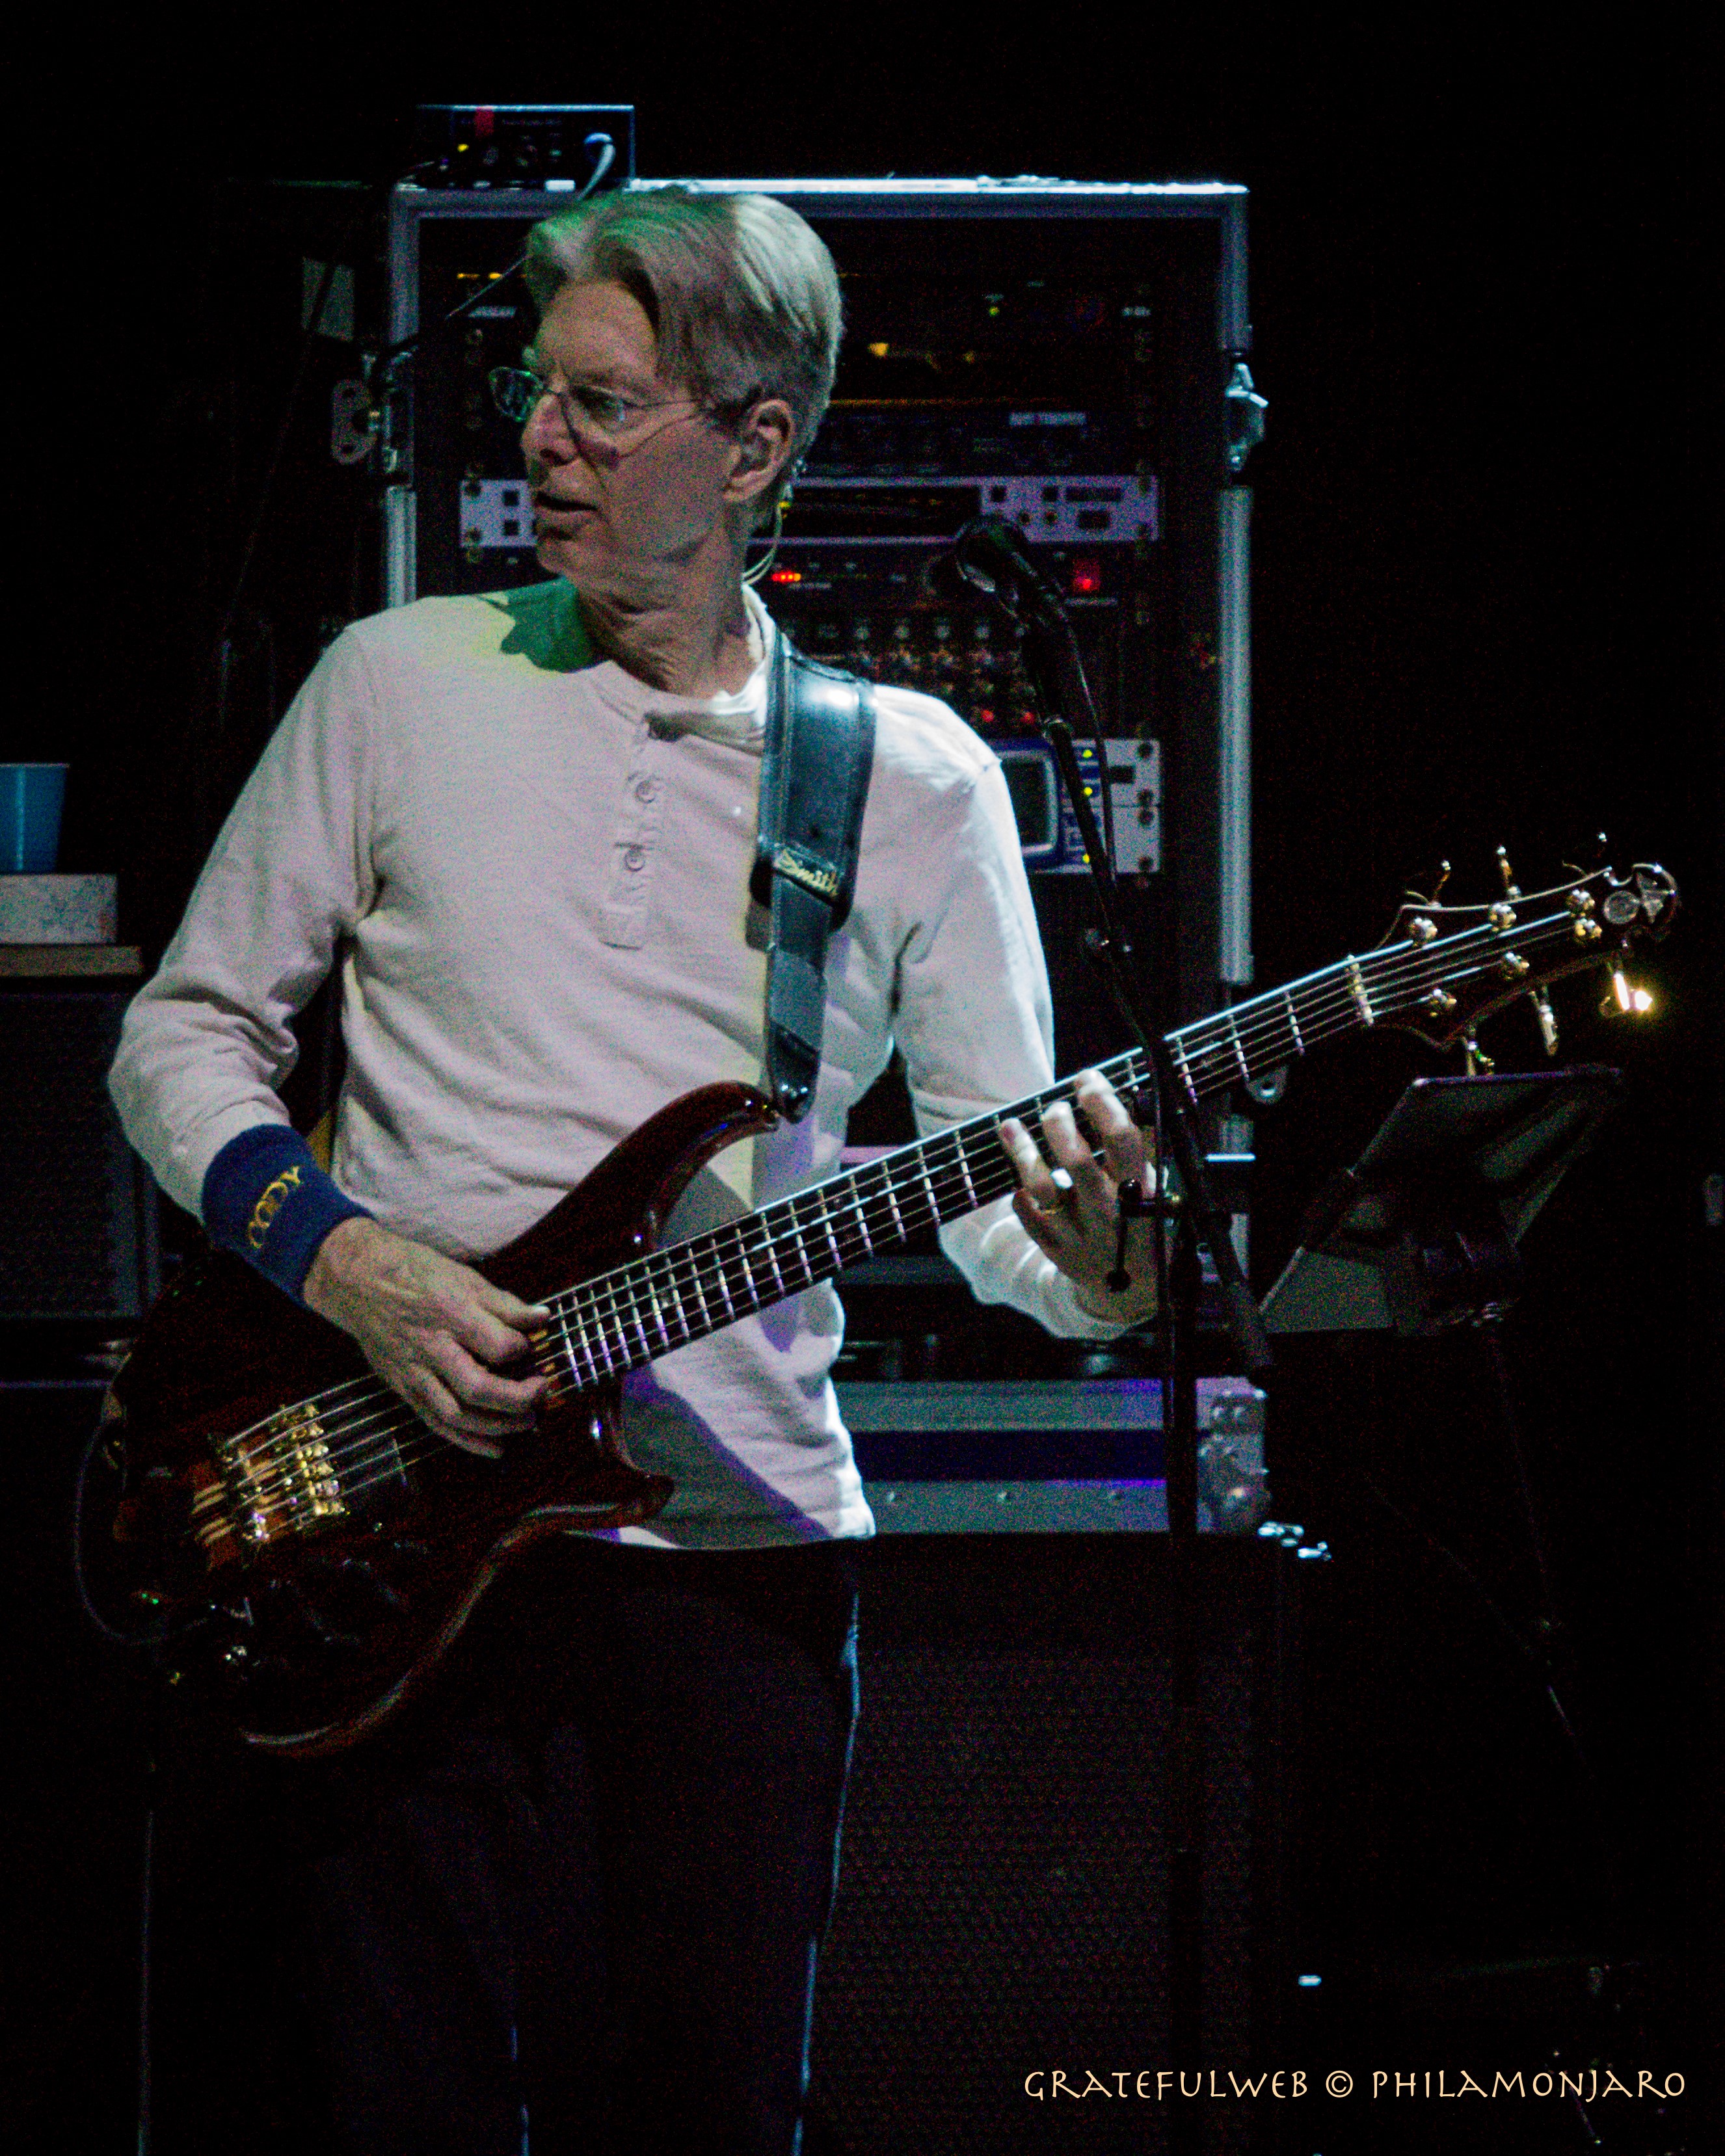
(266, 1200)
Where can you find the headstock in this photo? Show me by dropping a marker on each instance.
(1444, 969)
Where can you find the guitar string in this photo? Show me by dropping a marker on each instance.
(319, 1405)
(1209, 1039)
(632, 1298)
(1212, 1061)
(356, 1480)
(1407, 972)
(629, 1299)
(600, 1305)
(614, 1316)
(382, 1419)
(600, 1317)
(965, 1180)
(336, 1457)
(631, 1302)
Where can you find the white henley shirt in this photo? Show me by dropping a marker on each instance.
(533, 871)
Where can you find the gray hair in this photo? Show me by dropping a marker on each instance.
(742, 296)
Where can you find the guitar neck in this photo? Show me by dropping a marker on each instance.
(622, 1320)
(1402, 982)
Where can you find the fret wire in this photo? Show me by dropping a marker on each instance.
(862, 1220)
(797, 1234)
(773, 1261)
(741, 1266)
(826, 1223)
(573, 1341)
(701, 1294)
(657, 1303)
(964, 1170)
(890, 1187)
(934, 1209)
(741, 1280)
(679, 1261)
(1294, 1026)
(758, 1297)
(671, 1294)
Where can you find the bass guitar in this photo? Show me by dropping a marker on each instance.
(259, 1503)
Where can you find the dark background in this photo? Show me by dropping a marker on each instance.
(1485, 611)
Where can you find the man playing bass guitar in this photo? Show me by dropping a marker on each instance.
(593, 1885)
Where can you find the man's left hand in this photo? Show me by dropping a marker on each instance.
(1071, 1210)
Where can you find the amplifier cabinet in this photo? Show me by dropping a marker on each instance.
(1002, 1912)
(77, 1211)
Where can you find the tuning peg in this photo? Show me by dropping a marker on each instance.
(1512, 889)
(1574, 868)
(1625, 999)
(1547, 1018)
(1419, 897)
(1478, 1064)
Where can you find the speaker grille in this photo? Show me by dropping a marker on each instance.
(1003, 1906)
(76, 1238)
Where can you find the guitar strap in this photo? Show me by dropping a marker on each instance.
(815, 781)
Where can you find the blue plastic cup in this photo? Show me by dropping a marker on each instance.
(32, 796)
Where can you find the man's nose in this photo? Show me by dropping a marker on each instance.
(546, 435)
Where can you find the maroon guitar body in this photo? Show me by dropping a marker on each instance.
(319, 1595)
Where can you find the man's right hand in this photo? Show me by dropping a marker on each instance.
(431, 1329)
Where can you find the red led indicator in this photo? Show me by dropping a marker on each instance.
(1087, 576)
(784, 577)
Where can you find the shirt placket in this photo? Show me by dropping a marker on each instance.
(636, 843)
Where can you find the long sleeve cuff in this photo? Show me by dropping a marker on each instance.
(266, 1200)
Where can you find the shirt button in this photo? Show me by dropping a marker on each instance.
(635, 858)
(646, 789)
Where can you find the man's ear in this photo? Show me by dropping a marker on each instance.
(764, 446)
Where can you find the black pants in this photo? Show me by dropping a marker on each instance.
(578, 1900)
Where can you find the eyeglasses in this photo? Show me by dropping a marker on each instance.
(518, 393)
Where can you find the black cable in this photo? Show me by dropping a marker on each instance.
(604, 156)
(249, 550)
(150, 1638)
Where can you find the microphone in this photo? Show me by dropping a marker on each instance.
(989, 557)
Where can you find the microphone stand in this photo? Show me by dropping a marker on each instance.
(1051, 660)
(989, 557)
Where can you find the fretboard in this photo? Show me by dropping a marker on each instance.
(623, 1320)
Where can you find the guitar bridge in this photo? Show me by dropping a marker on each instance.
(279, 1480)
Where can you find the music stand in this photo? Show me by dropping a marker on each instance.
(1421, 1233)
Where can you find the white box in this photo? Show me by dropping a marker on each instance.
(58, 909)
